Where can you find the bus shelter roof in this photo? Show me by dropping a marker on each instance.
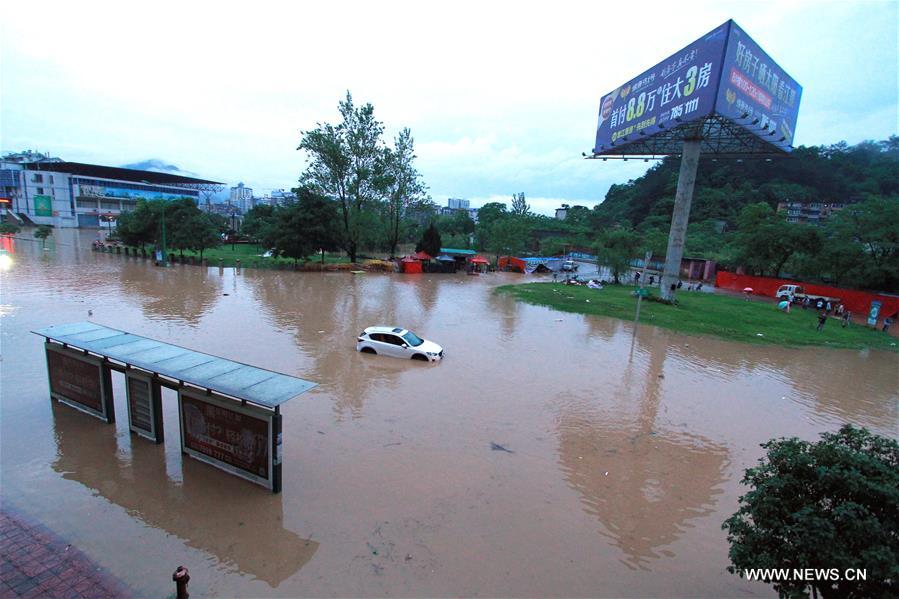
(249, 383)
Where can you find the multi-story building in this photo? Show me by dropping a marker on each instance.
(813, 213)
(456, 204)
(242, 197)
(50, 191)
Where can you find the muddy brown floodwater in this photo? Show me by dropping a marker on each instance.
(622, 469)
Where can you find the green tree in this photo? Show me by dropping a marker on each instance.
(404, 190)
(346, 163)
(307, 225)
(829, 504)
(616, 248)
(43, 232)
(430, 242)
(509, 235)
(520, 206)
(259, 224)
(488, 214)
(9, 228)
(137, 228)
(181, 224)
(863, 243)
(765, 241)
(199, 231)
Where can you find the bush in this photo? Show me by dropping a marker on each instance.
(830, 504)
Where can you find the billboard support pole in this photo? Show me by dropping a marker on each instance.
(686, 180)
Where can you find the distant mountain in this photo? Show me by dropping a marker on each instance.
(158, 166)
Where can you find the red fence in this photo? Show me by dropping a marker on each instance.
(859, 302)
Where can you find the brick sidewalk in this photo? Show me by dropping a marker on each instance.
(34, 562)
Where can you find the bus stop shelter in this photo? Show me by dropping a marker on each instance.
(229, 412)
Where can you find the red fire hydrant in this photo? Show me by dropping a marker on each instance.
(181, 578)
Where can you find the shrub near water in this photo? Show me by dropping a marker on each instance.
(699, 313)
(830, 505)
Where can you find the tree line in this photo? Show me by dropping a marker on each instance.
(360, 193)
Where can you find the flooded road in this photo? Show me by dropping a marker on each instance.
(622, 468)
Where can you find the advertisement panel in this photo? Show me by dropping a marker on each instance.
(681, 88)
(755, 86)
(222, 432)
(79, 380)
(107, 191)
(43, 206)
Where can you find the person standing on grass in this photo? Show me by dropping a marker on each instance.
(847, 315)
(822, 318)
(887, 322)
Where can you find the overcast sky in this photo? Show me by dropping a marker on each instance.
(500, 97)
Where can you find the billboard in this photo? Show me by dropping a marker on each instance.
(722, 74)
(107, 191)
(79, 380)
(754, 85)
(231, 436)
(43, 206)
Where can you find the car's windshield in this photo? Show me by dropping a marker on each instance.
(412, 339)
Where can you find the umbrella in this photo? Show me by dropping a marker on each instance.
(783, 305)
(445, 258)
(747, 290)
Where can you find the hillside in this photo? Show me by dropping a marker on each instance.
(837, 173)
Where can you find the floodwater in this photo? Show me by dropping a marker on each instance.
(622, 466)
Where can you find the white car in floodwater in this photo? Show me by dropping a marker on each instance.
(397, 343)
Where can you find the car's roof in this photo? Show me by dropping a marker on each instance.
(383, 329)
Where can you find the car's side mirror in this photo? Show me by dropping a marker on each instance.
(406, 346)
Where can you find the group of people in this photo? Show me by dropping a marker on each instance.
(651, 280)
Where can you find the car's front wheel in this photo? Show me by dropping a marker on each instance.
(420, 357)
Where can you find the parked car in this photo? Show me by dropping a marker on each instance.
(569, 266)
(397, 343)
(795, 294)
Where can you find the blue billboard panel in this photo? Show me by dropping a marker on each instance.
(756, 93)
(680, 89)
(722, 75)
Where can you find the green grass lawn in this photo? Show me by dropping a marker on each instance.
(729, 317)
(250, 256)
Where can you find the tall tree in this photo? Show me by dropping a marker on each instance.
(403, 188)
(520, 206)
(346, 163)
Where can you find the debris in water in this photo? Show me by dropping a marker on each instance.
(225, 294)
(498, 447)
(606, 473)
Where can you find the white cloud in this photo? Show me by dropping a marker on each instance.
(501, 97)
